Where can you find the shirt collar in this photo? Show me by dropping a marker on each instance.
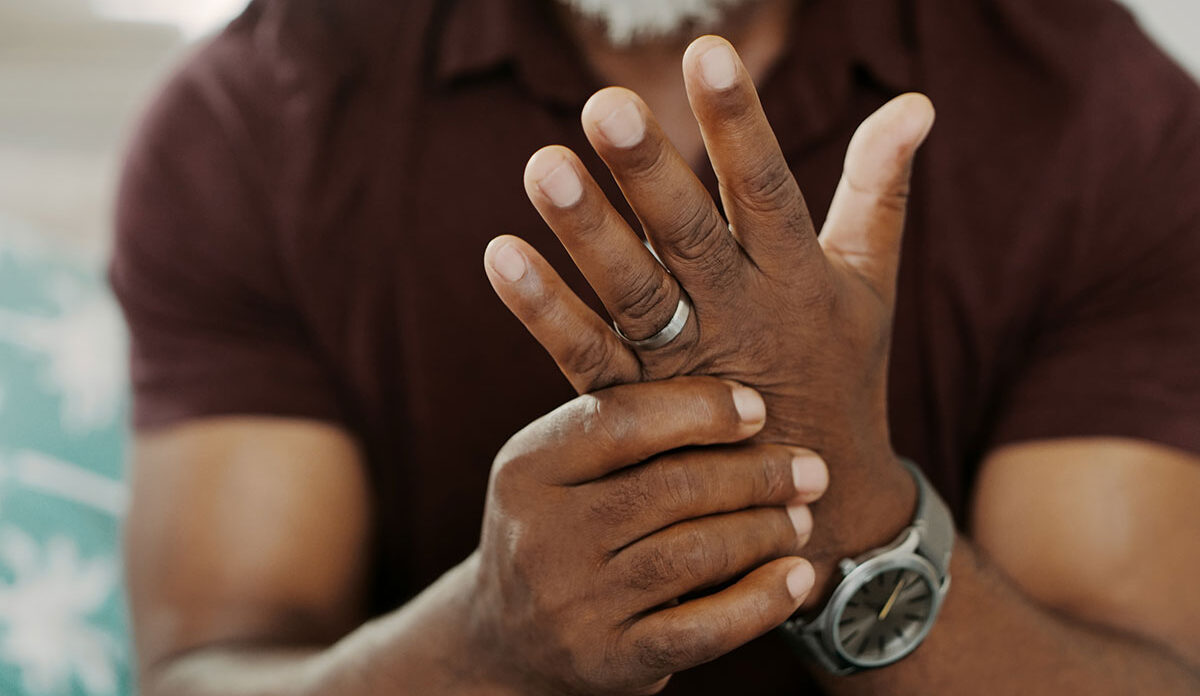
(524, 36)
(835, 46)
(883, 33)
(832, 41)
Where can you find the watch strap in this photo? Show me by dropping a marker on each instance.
(933, 520)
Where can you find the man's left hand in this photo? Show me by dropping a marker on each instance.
(805, 320)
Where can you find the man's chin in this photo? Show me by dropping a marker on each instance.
(630, 23)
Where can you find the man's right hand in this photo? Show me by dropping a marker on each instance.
(598, 521)
(592, 536)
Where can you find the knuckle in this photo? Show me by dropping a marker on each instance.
(662, 653)
(651, 568)
(703, 558)
(650, 163)
(696, 232)
(685, 646)
(678, 487)
(892, 198)
(589, 218)
(625, 498)
(645, 297)
(767, 188)
(761, 610)
(894, 201)
(690, 558)
(588, 358)
(775, 481)
(608, 417)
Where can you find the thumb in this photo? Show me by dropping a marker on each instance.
(866, 219)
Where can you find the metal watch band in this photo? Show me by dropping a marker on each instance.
(933, 520)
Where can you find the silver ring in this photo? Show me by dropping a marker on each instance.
(666, 334)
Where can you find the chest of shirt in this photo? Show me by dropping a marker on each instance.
(440, 374)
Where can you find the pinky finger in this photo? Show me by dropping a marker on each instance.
(704, 629)
(586, 350)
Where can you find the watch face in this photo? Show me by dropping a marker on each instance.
(887, 616)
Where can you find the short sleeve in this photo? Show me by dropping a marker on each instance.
(197, 264)
(1118, 349)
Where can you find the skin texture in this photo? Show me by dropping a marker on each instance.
(589, 537)
(807, 322)
(1070, 568)
(1070, 582)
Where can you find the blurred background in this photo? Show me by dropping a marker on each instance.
(73, 76)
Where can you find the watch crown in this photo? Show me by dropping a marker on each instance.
(847, 566)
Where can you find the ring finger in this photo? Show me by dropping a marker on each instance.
(705, 552)
(640, 295)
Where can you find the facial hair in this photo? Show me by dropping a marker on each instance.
(627, 22)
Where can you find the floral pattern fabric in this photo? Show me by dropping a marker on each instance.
(63, 401)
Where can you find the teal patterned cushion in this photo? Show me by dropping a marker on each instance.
(63, 396)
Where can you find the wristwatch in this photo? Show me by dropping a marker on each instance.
(888, 598)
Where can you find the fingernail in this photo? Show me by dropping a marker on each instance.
(809, 473)
(509, 263)
(624, 127)
(717, 67)
(556, 179)
(749, 405)
(802, 520)
(800, 581)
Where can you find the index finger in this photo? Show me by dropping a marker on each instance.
(596, 434)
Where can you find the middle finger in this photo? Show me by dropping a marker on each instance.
(638, 501)
(680, 218)
(638, 292)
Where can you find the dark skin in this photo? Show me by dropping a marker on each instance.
(599, 516)
(582, 559)
(806, 320)
(1070, 582)
(807, 323)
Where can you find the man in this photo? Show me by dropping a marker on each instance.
(323, 382)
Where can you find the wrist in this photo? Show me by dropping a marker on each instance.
(432, 645)
(865, 508)
(478, 653)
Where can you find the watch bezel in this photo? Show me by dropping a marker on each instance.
(865, 572)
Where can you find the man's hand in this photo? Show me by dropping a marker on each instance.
(806, 322)
(585, 552)
(601, 529)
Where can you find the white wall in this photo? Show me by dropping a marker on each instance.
(1176, 25)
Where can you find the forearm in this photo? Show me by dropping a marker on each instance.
(418, 649)
(991, 639)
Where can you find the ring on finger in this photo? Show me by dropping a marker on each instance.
(668, 333)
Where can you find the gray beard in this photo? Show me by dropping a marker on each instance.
(629, 22)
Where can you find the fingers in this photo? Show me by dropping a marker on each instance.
(596, 434)
(586, 350)
(703, 629)
(679, 216)
(678, 486)
(702, 553)
(866, 219)
(637, 291)
(760, 195)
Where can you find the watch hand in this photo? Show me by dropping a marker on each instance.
(887, 608)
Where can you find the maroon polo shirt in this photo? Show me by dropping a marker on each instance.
(305, 209)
